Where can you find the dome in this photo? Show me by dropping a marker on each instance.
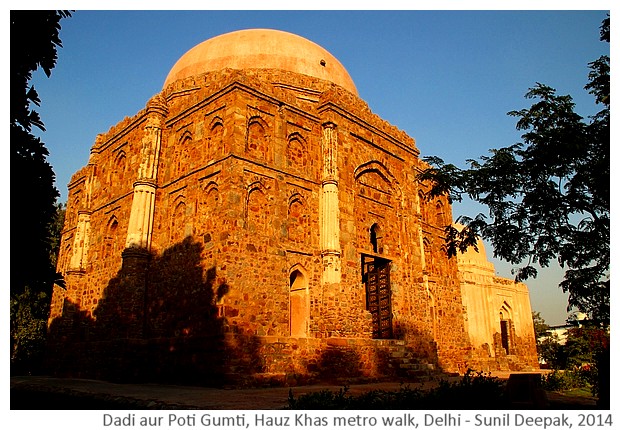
(261, 49)
(471, 254)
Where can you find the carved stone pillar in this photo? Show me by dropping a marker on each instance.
(80, 242)
(136, 255)
(140, 229)
(329, 206)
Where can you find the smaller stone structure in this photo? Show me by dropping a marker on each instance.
(498, 316)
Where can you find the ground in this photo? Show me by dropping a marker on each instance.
(43, 393)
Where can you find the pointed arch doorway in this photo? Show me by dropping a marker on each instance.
(506, 328)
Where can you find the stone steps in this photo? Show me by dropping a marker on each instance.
(403, 363)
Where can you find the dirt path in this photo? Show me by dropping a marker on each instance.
(45, 393)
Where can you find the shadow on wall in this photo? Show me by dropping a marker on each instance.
(337, 363)
(158, 321)
(366, 359)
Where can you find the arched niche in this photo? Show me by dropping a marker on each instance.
(299, 312)
(376, 238)
(506, 328)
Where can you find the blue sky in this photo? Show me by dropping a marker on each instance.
(447, 78)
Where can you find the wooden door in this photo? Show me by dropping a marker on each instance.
(376, 276)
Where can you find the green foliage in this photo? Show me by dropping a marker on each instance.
(550, 350)
(548, 196)
(563, 380)
(582, 343)
(472, 390)
(541, 328)
(324, 399)
(55, 232)
(29, 311)
(587, 352)
(582, 361)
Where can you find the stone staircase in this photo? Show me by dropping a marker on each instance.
(400, 360)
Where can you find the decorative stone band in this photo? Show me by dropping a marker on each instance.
(141, 183)
(136, 253)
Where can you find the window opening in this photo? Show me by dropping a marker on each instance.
(376, 239)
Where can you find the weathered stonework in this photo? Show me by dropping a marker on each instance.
(255, 223)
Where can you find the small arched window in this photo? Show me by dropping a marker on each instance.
(216, 138)
(119, 168)
(440, 217)
(296, 153)
(258, 210)
(256, 139)
(177, 221)
(297, 227)
(110, 238)
(376, 239)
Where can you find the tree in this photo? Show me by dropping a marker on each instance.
(548, 196)
(34, 43)
(29, 310)
(583, 343)
(541, 327)
(547, 343)
(55, 231)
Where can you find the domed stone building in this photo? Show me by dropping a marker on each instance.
(498, 315)
(257, 221)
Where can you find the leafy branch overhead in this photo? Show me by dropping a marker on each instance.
(548, 196)
(35, 39)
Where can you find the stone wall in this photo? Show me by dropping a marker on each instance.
(239, 360)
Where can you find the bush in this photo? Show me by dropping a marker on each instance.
(29, 312)
(472, 390)
(562, 380)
